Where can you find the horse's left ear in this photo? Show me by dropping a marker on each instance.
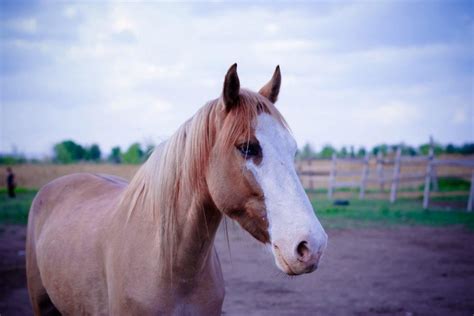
(231, 88)
(272, 88)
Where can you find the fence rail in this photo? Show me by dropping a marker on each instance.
(378, 172)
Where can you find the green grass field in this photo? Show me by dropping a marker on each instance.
(371, 213)
(359, 213)
(15, 211)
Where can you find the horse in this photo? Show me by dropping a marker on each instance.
(101, 246)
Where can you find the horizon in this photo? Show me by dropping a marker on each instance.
(353, 73)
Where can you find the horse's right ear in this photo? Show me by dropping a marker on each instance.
(231, 88)
(272, 88)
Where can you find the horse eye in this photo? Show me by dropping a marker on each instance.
(249, 150)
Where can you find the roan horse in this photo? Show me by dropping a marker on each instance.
(97, 245)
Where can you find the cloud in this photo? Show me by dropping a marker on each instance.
(24, 25)
(459, 116)
(131, 71)
(394, 113)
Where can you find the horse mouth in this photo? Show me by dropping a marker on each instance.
(286, 267)
(282, 264)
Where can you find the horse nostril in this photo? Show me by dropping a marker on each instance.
(304, 254)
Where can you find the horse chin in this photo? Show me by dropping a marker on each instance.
(292, 269)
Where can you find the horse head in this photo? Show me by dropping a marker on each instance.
(252, 179)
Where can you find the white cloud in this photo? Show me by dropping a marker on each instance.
(459, 116)
(272, 28)
(393, 113)
(70, 12)
(26, 25)
(150, 66)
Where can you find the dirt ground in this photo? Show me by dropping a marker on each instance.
(365, 271)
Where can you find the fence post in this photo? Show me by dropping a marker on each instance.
(332, 175)
(395, 176)
(365, 173)
(471, 194)
(426, 192)
(311, 181)
(380, 172)
(434, 177)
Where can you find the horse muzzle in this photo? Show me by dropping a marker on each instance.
(299, 257)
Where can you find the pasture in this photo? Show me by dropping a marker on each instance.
(382, 258)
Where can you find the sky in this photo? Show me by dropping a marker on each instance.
(353, 73)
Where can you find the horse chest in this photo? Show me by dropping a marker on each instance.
(139, 292)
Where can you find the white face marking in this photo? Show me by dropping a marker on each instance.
(290, 214)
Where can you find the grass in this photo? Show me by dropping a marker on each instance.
(363, 213)
(359, 213)
(453, 184)
(15, 211)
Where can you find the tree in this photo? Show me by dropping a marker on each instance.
(425, 149)
(93, 153)
(451, 149)
(361, 152)
(134, 154)
(467, 149)
(327, 151)
(149, 150)
(115, 155)
(383, 148)
(408, 150)
(352, 152)
(464, 149)
(343, 152)
(306, 152)
(68, 151)
(12, 159)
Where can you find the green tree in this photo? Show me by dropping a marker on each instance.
(93, 153)
(383, 148)
(343, 152)
(361, 152)
(327, 151)
(464, 149)
(149, 150)
(306, 152)
(467, 149)
(451, 149)
(10, 159)
(133, 155)
(408, 150)
(68, 151)
(425, 149)
(115, 155)
(352, 152)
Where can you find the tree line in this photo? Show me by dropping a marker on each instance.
(68, 151)
(326, 152)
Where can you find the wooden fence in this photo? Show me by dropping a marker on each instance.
(431, 168)
(378, 172)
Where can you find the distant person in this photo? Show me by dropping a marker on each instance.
(11, 182)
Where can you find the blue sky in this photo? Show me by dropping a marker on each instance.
(354, 73)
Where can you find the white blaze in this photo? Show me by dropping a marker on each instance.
(290, 214)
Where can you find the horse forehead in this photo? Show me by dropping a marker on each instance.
(270, 132)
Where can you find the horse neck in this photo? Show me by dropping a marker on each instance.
(194, 222)
(197, 223)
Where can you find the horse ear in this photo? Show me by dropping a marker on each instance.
(231, 88)
(272, 88)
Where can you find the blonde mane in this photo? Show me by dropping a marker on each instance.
(177, 167)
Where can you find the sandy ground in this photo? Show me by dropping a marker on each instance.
(390, 271)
